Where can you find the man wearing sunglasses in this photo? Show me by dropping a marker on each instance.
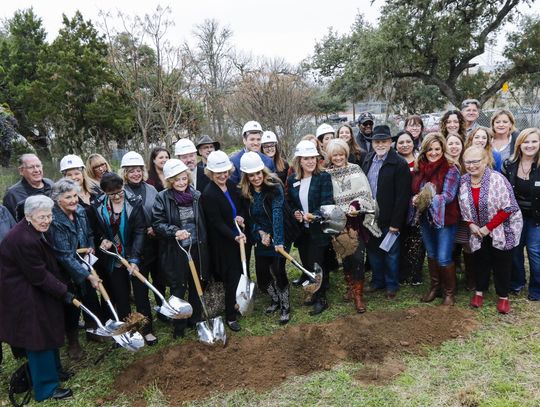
(365, 125)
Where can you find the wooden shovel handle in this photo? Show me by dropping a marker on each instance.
(284, 253)
(242, 250)
(83, 250)
(195, 277)
(76, 302)
(102, 289)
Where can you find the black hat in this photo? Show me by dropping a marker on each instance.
(207, 140)
(365, 117)
(380, 133)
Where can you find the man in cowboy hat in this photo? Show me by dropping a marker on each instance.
(390, 181)
(205, 145)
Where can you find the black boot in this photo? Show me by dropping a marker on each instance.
(319, 306)
(285, 306)
(275, 297)
(179, 327)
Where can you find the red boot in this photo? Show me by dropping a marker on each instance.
(503, 306)
(477, 301)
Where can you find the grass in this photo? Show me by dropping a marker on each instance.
(496, 366)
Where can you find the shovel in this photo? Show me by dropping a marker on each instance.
(175, 308)
(129, 340)
(314, 281)
(133, 343)
(245, 290)
(211, 330)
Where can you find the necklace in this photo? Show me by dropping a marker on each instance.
(525, 173)
(476, 184)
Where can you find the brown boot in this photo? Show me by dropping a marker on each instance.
(74, 349)
(349, 295)
(470, 283)
(358, 294)
(448, 278)
(435, 282)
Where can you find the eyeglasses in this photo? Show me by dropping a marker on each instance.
(269, 145)
(32, 167)
(471, 162)
(414, 126)
(43, 218)
(95, 167)
(468, 102)
(366, 124)
(115, 194)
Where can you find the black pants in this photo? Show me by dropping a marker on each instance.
(354, 264)
(179, 286)
(412, 256)
(311, 253)
(119, 287)
(152, 268)
(489, 258)
(269, 269)
(89, 298)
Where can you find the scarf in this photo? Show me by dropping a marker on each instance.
(433, 172)
(183, 199)
(495, 194)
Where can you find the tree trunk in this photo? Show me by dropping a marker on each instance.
(39, 142)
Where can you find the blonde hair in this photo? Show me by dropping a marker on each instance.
(123, 172)
(519, 141)
(210, 174)
(487, 147)
(472, 149)
(90, 163)
(426, 144)
(170, 181)
(336, 146)
(511, 117)
(246, 188)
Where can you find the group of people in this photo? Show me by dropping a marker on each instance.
(465, 189)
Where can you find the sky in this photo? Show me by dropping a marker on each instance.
(280, 28)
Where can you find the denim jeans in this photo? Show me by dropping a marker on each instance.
(530, 239)
(384, 265)
(439, 242)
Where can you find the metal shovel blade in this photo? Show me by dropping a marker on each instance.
(130, 341)
(99, 331)
(213, 332)
(175, 308)
(312, 285)
(245, 292)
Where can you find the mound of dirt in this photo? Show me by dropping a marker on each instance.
(194, 370)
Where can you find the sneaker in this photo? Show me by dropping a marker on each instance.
(503, 306)
(477, 301)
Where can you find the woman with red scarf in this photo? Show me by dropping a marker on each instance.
(435, 185)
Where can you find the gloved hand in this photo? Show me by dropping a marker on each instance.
(69, 297)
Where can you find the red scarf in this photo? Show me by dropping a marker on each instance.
(433, 172)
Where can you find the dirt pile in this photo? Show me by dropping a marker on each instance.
(193, 370)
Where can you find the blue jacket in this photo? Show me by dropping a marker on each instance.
(320, 193)
(266, 214)
(66, 237)
(235, 159)
(6, 221)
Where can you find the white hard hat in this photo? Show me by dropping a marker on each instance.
(268, 137)
(324, 129)
(218, 161)
(306, 148)
(132, 159)
(252, 125)
(71, 161)
(184, 146)
(173, 167)
(251, 162)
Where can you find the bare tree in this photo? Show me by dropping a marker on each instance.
(150, 70)
(212, 66)
(275, 94)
